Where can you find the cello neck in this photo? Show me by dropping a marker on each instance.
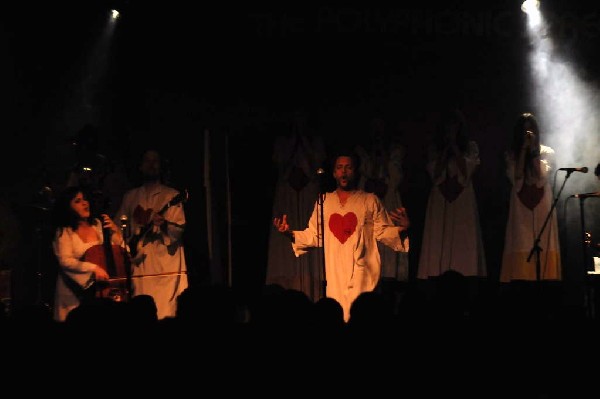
(111, 268)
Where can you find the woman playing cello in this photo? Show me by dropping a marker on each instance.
(78, 236)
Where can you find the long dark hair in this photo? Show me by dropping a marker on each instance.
(525, 122)
(447, 118)
(63, 215)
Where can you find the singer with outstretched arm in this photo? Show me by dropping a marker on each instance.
(354, 222)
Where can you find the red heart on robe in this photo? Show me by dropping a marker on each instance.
(297, 178)
(141, 216)
(451, 188)
(343, 227)
(530, 195)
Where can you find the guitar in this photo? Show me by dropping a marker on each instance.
(134, 241)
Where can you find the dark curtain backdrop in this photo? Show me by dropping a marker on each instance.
(166, 74)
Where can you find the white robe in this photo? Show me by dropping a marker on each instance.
(352, 230)
(524, 225)
(70, 250)
(296, 190)
(452, 237)
(385, 168)
(162, 259)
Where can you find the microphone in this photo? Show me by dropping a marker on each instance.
(123, 221)
(571, 170)
(321, 177)
(586, 195)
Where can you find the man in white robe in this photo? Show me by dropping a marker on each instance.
(354, 221)
(157, 223)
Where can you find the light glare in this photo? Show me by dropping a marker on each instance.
(532, 9)
(530, 6)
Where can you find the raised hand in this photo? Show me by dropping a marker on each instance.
(283, 227)
(281, 224)
(100, 274)
(400, 217)
(529, 141)
(158, 219)
(108, 223)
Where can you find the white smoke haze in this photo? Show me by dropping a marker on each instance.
(568, 108)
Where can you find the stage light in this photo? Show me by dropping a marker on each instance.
(115, 14)
(530, 6)
(532, 9)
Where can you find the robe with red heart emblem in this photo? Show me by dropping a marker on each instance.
(452, 238)
(296, 189)
(352, 230)
(530, 202)
(381, 172)
(161, 254)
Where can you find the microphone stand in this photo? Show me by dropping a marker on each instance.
(586, 241)
(39, 274)
(536, 245)
(585, 238)
(128, 279)
(320, 201)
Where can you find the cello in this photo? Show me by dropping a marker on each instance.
(115, 260)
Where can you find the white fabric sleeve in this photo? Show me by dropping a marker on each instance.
(433, 158)
(309, 237)
(175, 221)
(472, 162)
(63, 249)
(385, 231)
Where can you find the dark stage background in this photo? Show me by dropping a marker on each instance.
(166, 73)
